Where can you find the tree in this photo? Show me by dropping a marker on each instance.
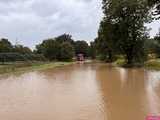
(81, 47)
(127, 18)
(58, 48)
(64, 38)
(106, 41)
(49, 48)
(156, 5)
(5, 45)
(151, 46)
(21, 49)
(66, 52)
(92, 50)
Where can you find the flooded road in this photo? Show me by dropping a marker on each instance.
(80, 92)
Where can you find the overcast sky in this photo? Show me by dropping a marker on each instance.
(31, 21)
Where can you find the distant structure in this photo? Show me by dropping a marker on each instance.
(80, 57)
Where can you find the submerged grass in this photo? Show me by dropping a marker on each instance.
(21, 67)
(119, 62)
(153, 64)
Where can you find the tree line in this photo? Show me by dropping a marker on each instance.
(64, 48)
(11, 53)
(122, 31)
(61, 48)
(122, 34)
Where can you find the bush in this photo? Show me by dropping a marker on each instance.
(11, 57)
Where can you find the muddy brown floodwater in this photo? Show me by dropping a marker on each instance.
(92, 91)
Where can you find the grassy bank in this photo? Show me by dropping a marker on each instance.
(22, 66)
(153, 64)
(119, 62)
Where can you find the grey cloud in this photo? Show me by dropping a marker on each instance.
(31, 21)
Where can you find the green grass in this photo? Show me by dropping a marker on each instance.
(22, 66)
(153, 64)
(119, 62)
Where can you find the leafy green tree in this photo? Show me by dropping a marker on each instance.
(127, 19)
(59, 48)
(65, 38)
(49, 48)
(10, 53)
(81, 47)
(5, 45)
(151, 46)
(39, 48)
(107, 43)
(92, 50)
(21, 49)
(156, 5)
(66, 52)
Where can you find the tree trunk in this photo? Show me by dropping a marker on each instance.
(129, 58)
(110, 56)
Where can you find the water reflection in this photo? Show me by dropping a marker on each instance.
(123, 76)
(152, 93)
(80, 92)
